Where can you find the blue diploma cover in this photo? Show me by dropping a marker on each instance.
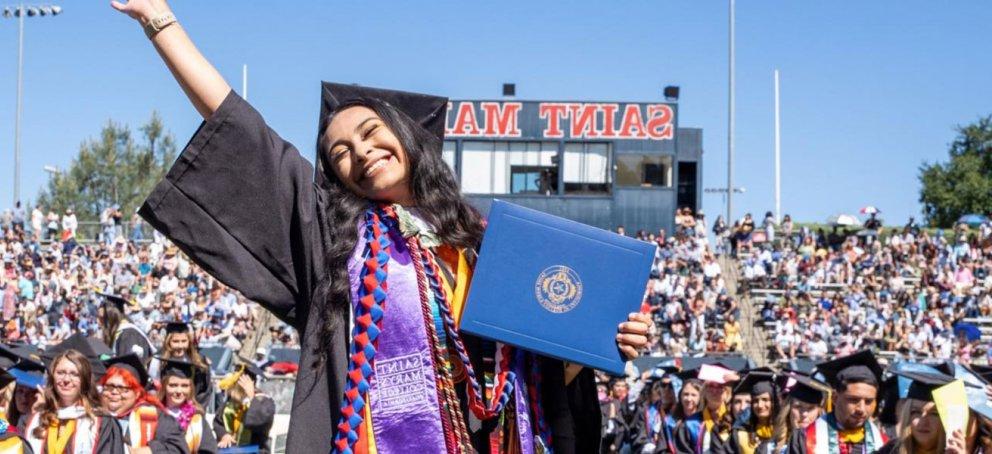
(556, 287)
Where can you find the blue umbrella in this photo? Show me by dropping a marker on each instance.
(971, 332)
(973, 220)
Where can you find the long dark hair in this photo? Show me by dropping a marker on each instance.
(109, 322)
(435, 192)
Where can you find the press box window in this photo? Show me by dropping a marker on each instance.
(448, 154)
(587, 168)
(644, 170)
(509, 167)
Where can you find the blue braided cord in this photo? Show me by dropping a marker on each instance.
(375, 313)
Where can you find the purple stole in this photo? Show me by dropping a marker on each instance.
(403, 396)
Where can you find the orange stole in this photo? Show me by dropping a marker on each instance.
(141, 425)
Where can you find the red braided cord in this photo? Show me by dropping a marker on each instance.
(503, 381)
(436, 358)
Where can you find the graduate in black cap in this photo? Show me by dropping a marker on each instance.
(243, 204)
(180, 344)
(178, 391)
(802, 404)
(247, 414)
(119, 333)
(759, 426)
(11, 440)
(919, 426)
(147, 428)
(849, 428)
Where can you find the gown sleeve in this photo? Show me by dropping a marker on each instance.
(684, 441)
(109, 439)
(639, 439)
(717, 444)
(260, 415)
(169, 438)
(241, 203)
(204, 387)
(219, 429)
(208, 442)
(797, 442)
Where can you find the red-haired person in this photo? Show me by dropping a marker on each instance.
(71, 421)
(179, 380)
(145, 425)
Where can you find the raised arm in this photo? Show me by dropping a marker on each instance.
(203, 85)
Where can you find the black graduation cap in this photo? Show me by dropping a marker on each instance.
(131, 363)
(178, 368)
(90, 347)
(923, 384)
(426, 110)
(8, 357)
(176, 327)
(5, 378)
(116, 300)
(808, 390)
(860, 367)
(757, 382)
(983, 372)
(251, 369)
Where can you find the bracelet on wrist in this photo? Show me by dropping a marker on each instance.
(159, 23)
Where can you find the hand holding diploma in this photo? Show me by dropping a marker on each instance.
(633, 334)
(952, 406)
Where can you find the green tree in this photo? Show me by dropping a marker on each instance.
(112, 169)
(964, 184)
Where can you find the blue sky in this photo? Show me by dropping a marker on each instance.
(870, 90)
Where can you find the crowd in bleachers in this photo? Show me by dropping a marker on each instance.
(907, 291)
(687, 291)
(51, 275)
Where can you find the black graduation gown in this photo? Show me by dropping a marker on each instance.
(168, 439)
(684, 444)
(639, 432)
(242, 204)
(7, 437)
(257, 420)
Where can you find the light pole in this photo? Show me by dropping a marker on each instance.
(20, 12)
(730, 120)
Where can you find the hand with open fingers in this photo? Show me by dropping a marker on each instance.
(248, 385)
(141, 10)
(633, 334)
(956, 443)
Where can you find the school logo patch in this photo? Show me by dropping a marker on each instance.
(558, 289)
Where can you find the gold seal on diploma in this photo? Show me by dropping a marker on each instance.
(558, 289)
